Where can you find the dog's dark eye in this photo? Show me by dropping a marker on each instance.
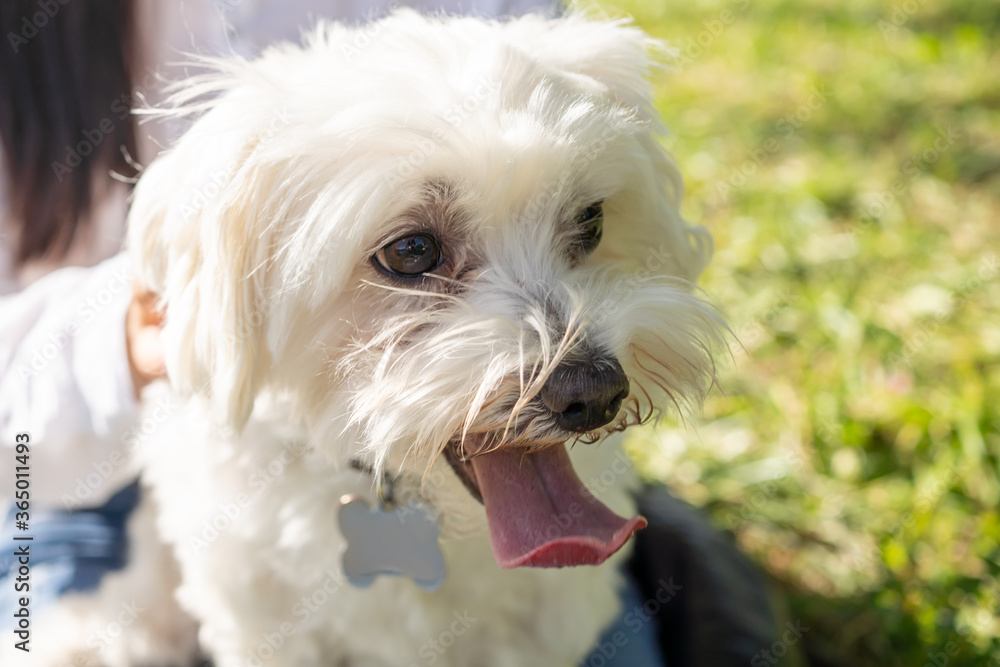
(591, 224)
(410, 255)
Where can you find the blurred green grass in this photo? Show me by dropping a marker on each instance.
(854, 453)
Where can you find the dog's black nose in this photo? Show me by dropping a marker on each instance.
(585, 395)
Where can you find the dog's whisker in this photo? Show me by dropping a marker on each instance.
(409, 291)
(659, 380)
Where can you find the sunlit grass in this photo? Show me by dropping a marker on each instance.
(846, 156)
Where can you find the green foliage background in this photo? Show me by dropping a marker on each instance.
(854, 453)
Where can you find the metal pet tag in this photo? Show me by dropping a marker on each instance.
(398, 540)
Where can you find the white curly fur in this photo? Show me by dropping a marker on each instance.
(294, 355)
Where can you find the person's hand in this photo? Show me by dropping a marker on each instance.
(143, 322)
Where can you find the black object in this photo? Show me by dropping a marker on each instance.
(717, 611)
(585, 395)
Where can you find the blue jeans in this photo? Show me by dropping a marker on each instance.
(630, 641)
(71, 551)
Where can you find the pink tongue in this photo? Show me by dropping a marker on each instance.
(541, 514)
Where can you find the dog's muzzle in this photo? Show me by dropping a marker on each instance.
(540, 514)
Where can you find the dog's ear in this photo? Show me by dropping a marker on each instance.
(613, 57)
(656, 236)
(199, 238)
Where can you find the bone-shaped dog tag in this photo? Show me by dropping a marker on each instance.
(401, 540)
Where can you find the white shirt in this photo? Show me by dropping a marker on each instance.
(64, 380)
(64, 376)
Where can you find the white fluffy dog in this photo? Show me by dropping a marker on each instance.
(441, 257)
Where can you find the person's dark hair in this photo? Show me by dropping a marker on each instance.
(65, 77)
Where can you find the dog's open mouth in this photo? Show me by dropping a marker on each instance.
(540, 514)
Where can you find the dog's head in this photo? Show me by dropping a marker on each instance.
(437, 240)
